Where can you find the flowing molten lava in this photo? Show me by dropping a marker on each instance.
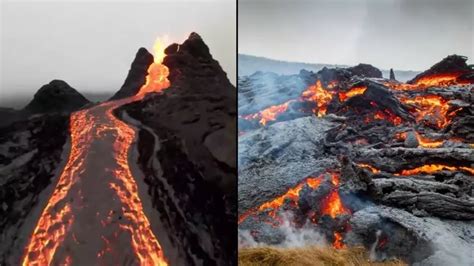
(386, 115)
(292, 195)
(315, 93)
(96, 129)
(268, 114)
(433, 168)
(431, 109)
(369, 167)
(344, 96)
(424, 169)
(318, 94)
(435, 80)
(331, 205)
(338, 241)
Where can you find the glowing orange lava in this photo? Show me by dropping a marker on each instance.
(268, 114)
(436, 80)
(386, 115)
(86, 128)
(57, 216)
(292, 194)
(431, 109)
(338, 244)
(316, 93)
(445, 79)
(433, 168)
(332, 205)
(344, 96)
(369, 167)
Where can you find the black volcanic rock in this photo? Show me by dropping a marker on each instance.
(136, 75)
(188, 131)
(31, 152)
(57, 96)
(392, 75)
(331, 74)
(345, 74)
(365, 70)
(450, 64)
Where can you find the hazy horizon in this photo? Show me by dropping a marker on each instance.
(399, 34)
(91, 45)
(324, 63)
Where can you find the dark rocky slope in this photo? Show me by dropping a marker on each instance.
(191, 171)
(136, 75)
(32, 141)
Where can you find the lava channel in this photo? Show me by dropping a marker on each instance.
(94, 215)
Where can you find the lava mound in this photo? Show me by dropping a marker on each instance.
(452, 65)
(57, 96)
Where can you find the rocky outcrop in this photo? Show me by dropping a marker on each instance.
(392, 74)
(450, 64)
(365, 70)
(278, 157)
(136, 75)
(30, 157)
(187, 149)
(57, 96)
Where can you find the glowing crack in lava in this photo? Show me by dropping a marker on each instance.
(433, 168)
(435, 80)
(314, 93)
(386, 115)
(431, 109)
(94, 215)
(344, 96)
(268, 114)
(330, 205)
(424, 169)
(318, 94)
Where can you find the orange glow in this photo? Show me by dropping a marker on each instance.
(292, 194)
(87, 126)
(332, 205)
(384, 115)
(268, 114)
(436, 80)
(369, 167)
(344, 96)
(316, 93)
(338, 244)
(157, 78)
(430, 106)
(144, 242)
(433, 168)
(57, 217)
(445, 79)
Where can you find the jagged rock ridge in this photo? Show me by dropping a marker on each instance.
(193, 122)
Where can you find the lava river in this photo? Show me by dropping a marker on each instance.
(94, 215)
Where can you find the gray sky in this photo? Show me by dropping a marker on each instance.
(400, 34)
(91, 45)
